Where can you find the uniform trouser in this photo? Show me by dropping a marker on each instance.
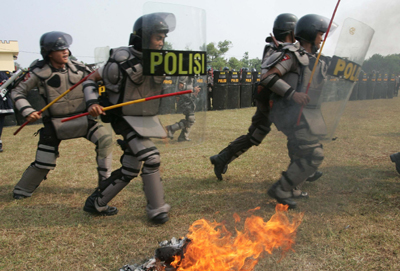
(47, 154)
(306, 154)
(258, 130)
(140, 150)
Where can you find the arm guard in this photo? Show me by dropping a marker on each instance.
(20, 93)
(274, 83)
(91, 92)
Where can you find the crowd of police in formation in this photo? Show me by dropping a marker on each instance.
(285, 71)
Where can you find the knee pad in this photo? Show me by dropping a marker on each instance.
(317, 157)
(151, 164)
(191, 119)
(46, 157)
(130, 165)
(258, 134)
(102, 138)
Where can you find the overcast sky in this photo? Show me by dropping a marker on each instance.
(245, 23)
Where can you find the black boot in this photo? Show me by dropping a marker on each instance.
(315, 176)
(396, 159)
(160, 219)
(90, 206)
(276, 192)
(219, 166)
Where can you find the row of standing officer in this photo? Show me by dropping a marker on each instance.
(375, 85)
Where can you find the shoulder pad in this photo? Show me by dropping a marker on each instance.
(302, 58)
(292, 47)
(41, 69)
(120, 54)
(37, 63)
(298, 52)
(273, 59)
(77, 65)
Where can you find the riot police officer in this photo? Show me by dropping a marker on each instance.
(287, 77)
(124, 81)
(53, 76)
(283, 31)
(187, 104)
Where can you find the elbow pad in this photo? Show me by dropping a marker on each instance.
(90, 89)
(275, 84)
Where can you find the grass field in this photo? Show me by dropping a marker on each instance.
(351, 218)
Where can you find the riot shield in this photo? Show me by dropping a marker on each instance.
(378, 86)
(352, 46)
(371, 85)
(233, 90)
(167, 104)
(362, 86)
(179, 60)
(202, 84)
(391, 86)
(354, 93)
(245, 90)
(101, 55)
(384, 92)
(255, 81)
(220, 91)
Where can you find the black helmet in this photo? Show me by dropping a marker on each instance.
(54, 41)
(309, 25)
(285, 22)
(149, 24)
(225, 69)
(245, 69)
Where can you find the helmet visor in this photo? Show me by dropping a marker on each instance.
(55, 41)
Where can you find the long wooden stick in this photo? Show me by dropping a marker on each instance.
(316, 62)
(55, 100)
(132, 102)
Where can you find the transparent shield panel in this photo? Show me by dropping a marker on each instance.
(352, 46)
(183, 116)
(101, 55)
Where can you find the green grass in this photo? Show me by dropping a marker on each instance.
(350, 220)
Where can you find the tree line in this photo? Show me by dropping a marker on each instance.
(383, 64)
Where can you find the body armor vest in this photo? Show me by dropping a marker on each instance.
(124, 81)
(53, 83)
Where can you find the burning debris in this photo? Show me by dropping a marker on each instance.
(163, 257)
(210, 246)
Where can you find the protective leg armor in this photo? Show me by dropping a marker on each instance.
(236, 148)
(29, 181)
(306, 156)
(154, 191)
(101, 137)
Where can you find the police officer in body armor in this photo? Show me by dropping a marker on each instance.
(53, 76)
(287, 80)
(137, 123)
(260, 124)
(186, 103)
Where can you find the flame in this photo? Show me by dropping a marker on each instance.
(213, 247)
